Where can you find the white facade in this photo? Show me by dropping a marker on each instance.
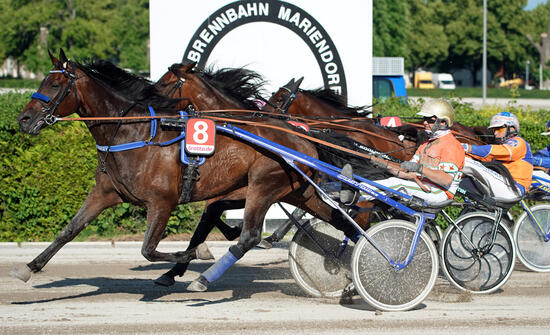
(270, 48)
(327, 42)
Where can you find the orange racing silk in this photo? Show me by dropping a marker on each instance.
(444, 153)
(515, 154)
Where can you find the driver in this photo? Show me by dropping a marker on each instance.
(434, 172)
(512, 151)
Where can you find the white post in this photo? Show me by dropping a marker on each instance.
(484, 70)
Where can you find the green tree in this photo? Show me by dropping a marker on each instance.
(131, 30)
(389, 38)
(21, 29)
(537, 32)
(428, 43)
(107, 29)
(506, 45)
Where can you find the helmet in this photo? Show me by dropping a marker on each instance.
(439, 108)
(504, 119)
(547, 131)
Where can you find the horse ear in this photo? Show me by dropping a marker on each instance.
(296, 85)
(55, 61)
(290, 83)
(62, 58)
(188, 67)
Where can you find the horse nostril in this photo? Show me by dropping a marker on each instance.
(24, 119)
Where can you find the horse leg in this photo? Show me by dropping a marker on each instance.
(255, 209)
(280, 232)
(158, 213)
(210, 218)
(97, 200)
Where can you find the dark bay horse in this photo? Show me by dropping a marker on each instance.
(203, 88)
(326, 106)
(207, 90)
(151, 175)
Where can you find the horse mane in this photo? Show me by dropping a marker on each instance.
(241, 84)
(126, 84)
(333, 99)
(361, 166)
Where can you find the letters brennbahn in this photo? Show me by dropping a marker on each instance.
(290, 16)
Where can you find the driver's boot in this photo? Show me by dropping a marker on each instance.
(348, 195)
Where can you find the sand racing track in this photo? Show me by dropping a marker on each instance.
(105, 288)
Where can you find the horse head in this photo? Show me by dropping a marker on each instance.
(56, 97)
(207, 89)
(281, 100)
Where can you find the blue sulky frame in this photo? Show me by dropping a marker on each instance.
(538, 182)
(292, 157)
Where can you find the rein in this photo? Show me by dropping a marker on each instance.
(333, 124)
(222, 119)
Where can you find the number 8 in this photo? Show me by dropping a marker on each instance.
(200, 134)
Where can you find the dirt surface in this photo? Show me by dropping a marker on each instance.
(105, 288)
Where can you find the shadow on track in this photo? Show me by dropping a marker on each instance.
(242, 281)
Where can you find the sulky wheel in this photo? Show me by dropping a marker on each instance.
(320, 275)
(468, 259)
(378, 282)
(434, 232)
(532, 247)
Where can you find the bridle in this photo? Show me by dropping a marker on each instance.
(283, 108)
(177, 86)
(49, 106)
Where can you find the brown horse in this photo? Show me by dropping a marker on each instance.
(326, 107)
(202, 88)
(207, 90)
(151, 175)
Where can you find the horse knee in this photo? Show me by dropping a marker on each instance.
(148, 253)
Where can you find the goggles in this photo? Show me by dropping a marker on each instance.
(430, 119)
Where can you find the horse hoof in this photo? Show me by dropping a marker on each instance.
(21, 272)
(264, 244)
(197, 285)
(202, 252)
(165, 280)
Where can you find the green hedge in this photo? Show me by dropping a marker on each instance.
(19, 83)
(46, 178)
